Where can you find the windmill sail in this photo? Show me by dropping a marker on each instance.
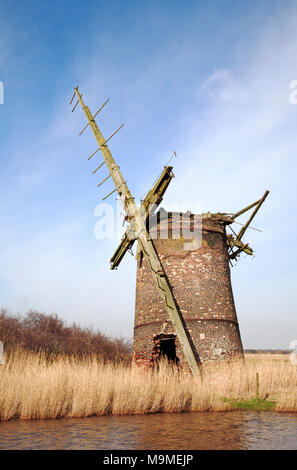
(142, 235)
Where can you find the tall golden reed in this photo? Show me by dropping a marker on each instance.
(33, 387)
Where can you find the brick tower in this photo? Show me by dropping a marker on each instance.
(184, 304)
(200, 281)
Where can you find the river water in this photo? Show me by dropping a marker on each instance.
(211, 430)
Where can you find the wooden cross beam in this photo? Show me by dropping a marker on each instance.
(236, 241)
(151, 201)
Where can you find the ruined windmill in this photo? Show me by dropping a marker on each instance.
(184, 301)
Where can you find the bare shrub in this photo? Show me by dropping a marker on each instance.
(37, 332)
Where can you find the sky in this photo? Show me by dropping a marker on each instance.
(210, 80)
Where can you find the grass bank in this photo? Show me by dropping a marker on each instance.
(35, 386)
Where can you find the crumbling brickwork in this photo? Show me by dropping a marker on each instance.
(200, 282)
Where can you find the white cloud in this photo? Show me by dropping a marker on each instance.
(221, 86)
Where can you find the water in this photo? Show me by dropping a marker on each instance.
(211, 430)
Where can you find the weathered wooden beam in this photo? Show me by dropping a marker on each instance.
(242, 248)
(236, 241)
(151, 201)
(259, 204)
(232, 242)
(155, 196)
(126, 243)
(234, 216)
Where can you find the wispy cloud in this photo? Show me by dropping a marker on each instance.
(221, 86)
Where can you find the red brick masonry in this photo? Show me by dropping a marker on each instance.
(200, 281)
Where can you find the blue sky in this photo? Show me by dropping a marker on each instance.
(208, 79)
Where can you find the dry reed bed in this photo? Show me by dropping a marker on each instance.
(31, 387)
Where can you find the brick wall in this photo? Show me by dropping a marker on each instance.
(200, 282)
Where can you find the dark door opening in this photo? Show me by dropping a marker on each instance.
(165, 347)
